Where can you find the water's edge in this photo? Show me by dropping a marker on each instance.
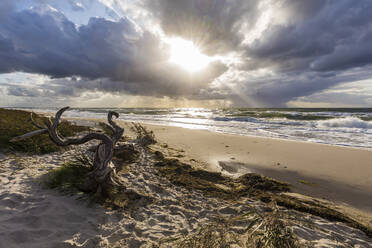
(342, 127)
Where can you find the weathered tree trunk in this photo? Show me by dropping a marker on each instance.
(103, 173)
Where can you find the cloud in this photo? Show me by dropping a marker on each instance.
(318, 40)
(212, 25)
(277, 50)
(133, 60)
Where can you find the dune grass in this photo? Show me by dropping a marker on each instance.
(69, 177)
(145, 137)
(17, 122)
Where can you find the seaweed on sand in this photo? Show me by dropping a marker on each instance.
(214, 183)
(250, 185)
(250, 230)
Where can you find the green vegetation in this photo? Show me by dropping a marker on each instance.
(68, 178)
(307, 183)
(16, 122)
(106, 130)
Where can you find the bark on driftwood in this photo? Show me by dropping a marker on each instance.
(103, 174)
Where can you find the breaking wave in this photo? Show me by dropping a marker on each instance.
(348, 122)
(345, 127)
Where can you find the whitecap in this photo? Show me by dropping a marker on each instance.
(347, 122)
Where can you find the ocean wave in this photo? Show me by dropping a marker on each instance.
(281, 115)
(348, 122)
(240, 119)
(328, 126)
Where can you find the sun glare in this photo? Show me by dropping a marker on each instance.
(186, 55)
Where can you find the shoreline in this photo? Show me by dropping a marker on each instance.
(338, 174)
(216, 132)
(224, 132)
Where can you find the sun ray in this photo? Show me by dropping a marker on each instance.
(186, 55)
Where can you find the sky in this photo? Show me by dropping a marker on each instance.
(178, 53)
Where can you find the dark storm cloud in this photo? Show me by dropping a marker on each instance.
(212, 24)
(334, 30)
(43, 41)
(308, 47)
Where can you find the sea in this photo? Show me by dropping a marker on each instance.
(350, 127)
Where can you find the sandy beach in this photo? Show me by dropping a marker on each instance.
(335, 173)
(33, 216)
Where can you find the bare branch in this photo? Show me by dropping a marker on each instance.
(61, 141)
(34, 122)
(109, 119)
(107, 126)
(58, 116)
(118, 131)
(104, 171)
(29, 135)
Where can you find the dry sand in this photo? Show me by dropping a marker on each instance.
(339, 174)
(31, 216)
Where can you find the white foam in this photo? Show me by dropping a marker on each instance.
(348, 122)
(345, 130)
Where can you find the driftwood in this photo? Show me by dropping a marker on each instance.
(103, 173)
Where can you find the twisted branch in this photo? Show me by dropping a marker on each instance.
(117, 131)
(104, 170)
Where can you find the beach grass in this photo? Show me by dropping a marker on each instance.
(145, 137)
(67, 178)
(17, 122)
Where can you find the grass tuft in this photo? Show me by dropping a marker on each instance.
(272, 232)
(144, 136)
(68, 178)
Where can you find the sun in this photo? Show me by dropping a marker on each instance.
(186, 55)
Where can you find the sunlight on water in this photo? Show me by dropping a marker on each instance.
(345, 127)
